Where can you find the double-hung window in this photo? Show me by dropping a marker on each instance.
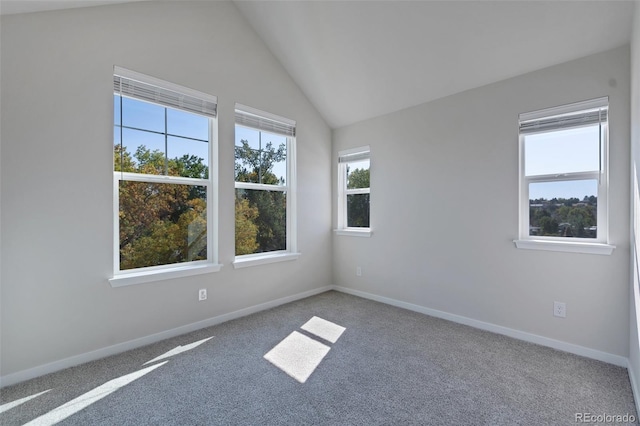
(564, 178)
(265, 187)
(164, 156)
(354, 192)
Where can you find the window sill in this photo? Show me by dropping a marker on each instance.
(365, 232)
(263, 259)
(133, 278)
(566, 246)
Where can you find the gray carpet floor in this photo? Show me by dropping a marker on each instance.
(390, 366)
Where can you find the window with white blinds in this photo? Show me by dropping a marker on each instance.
(165, 161)
(149, 89)
(264, 121)
(264, 184)
(564, 173)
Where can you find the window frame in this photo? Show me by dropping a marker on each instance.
(262, 121)
(598, 245)
(175, 270)
(357, 154)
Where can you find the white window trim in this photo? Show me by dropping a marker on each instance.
(145, 275)
(290, 187)
(599, 245)
(354, 232)
(565, 246)
(176, 270)
(247, 260)
(342, 228)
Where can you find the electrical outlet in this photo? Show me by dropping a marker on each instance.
(560, 309)
(358, 271)
(202, 294)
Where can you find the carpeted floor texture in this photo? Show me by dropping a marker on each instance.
(376, 365)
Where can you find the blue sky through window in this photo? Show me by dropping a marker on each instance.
(563, 151)
(258, 140)
(153, 121)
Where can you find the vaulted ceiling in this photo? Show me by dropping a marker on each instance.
(356, 60)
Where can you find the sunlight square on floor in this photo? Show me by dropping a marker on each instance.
(297, 355)
(324, 329)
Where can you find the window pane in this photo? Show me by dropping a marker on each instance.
(116, 110)
(118, 154)
(248, 137)
(563, 151)
(144, 151)
(358, 210)
(358, 174)
(564, 209)
(116, 135)
(274, 159)
(247, 166)
(260, 157)
(161, 224)
(274, 172)
(273, 142)
(142, 115)
(261, 221)
(188, 158)
(182, 123)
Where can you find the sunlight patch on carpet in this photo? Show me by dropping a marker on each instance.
(297, 355)
(178, 350)
(10, 405)
(324, 329)
(83, 401)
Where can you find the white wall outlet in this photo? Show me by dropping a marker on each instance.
(560, 309)
(202, 294)
(358, 271)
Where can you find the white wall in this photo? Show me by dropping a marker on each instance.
(634, 298)
(56, 173)
(444, 211)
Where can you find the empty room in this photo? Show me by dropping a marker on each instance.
(319, 212)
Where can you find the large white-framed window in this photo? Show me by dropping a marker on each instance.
(564, 178)
(164, 169)
(354, 192)
(265, 187)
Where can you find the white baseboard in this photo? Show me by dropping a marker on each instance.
(634, 378)
(52, 367)
(521, 335)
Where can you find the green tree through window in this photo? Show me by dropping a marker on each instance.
(354, 190)
(164, 153)
(261, 215)
(264, 184)
(358, 204)
(160, 223)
